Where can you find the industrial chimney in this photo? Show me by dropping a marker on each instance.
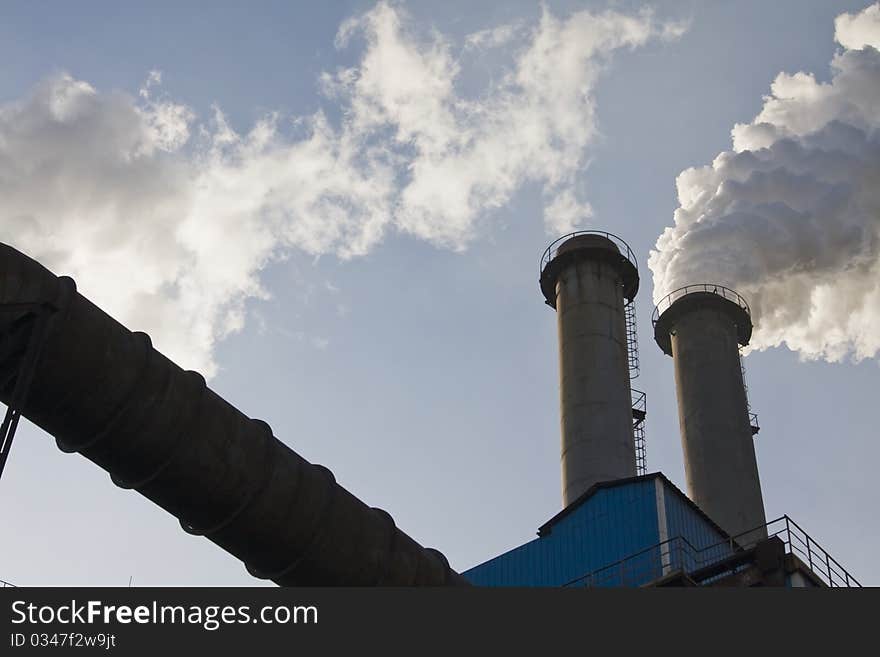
(589, 277)
(702, 327)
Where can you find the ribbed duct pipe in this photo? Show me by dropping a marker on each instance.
(105, 392)
(587, 278)
(702, 328)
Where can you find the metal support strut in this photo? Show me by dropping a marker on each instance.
(38, 316)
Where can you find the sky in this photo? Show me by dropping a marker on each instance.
(336, 213)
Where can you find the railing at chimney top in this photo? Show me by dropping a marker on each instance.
(675, 295)
(551, 251)
(725, 293)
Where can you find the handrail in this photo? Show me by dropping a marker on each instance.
(618, 566)
(679, 553)
(675, 295)
(4, 584)
(849, 579)
(550, 251)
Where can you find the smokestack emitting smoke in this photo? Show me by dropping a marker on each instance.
(586, 278)
(790, 217)
(702, 327)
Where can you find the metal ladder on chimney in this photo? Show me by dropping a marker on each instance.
(632, 340)
(753, 417)
(638, 398)
(639, 412)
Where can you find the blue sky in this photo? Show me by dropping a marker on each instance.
(416, 360)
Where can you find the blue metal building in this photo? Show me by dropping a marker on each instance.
(619, 533)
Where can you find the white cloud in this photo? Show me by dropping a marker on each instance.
(467, 156)
(565, 212)
(791, 216)
(855, 31)
(494, 37)
(166, 220)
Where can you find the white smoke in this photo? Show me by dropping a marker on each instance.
(166, 220)
(790, 217)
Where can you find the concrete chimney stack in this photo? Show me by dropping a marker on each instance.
(702, 328)
(588, 277)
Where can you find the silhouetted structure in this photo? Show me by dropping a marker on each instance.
(106, 393)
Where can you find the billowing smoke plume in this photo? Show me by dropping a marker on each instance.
(166, 220)
(790, 217)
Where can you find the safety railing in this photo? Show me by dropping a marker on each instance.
(553, 249)
(4, 584)
(652, 563)
(802, 545)
(714, 288)
(678, 554)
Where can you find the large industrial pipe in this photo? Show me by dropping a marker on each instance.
(106, 393)
(701, 327)
(587, 277)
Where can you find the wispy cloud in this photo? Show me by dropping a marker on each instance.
(494, 37)
(166, 219)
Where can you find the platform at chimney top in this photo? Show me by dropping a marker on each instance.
(588, 245)
(704, 295)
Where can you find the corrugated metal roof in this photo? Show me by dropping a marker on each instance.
(608, 523)
(547, 527)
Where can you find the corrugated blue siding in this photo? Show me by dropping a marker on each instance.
(694, 542)
(615, 523)
(612, 524)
